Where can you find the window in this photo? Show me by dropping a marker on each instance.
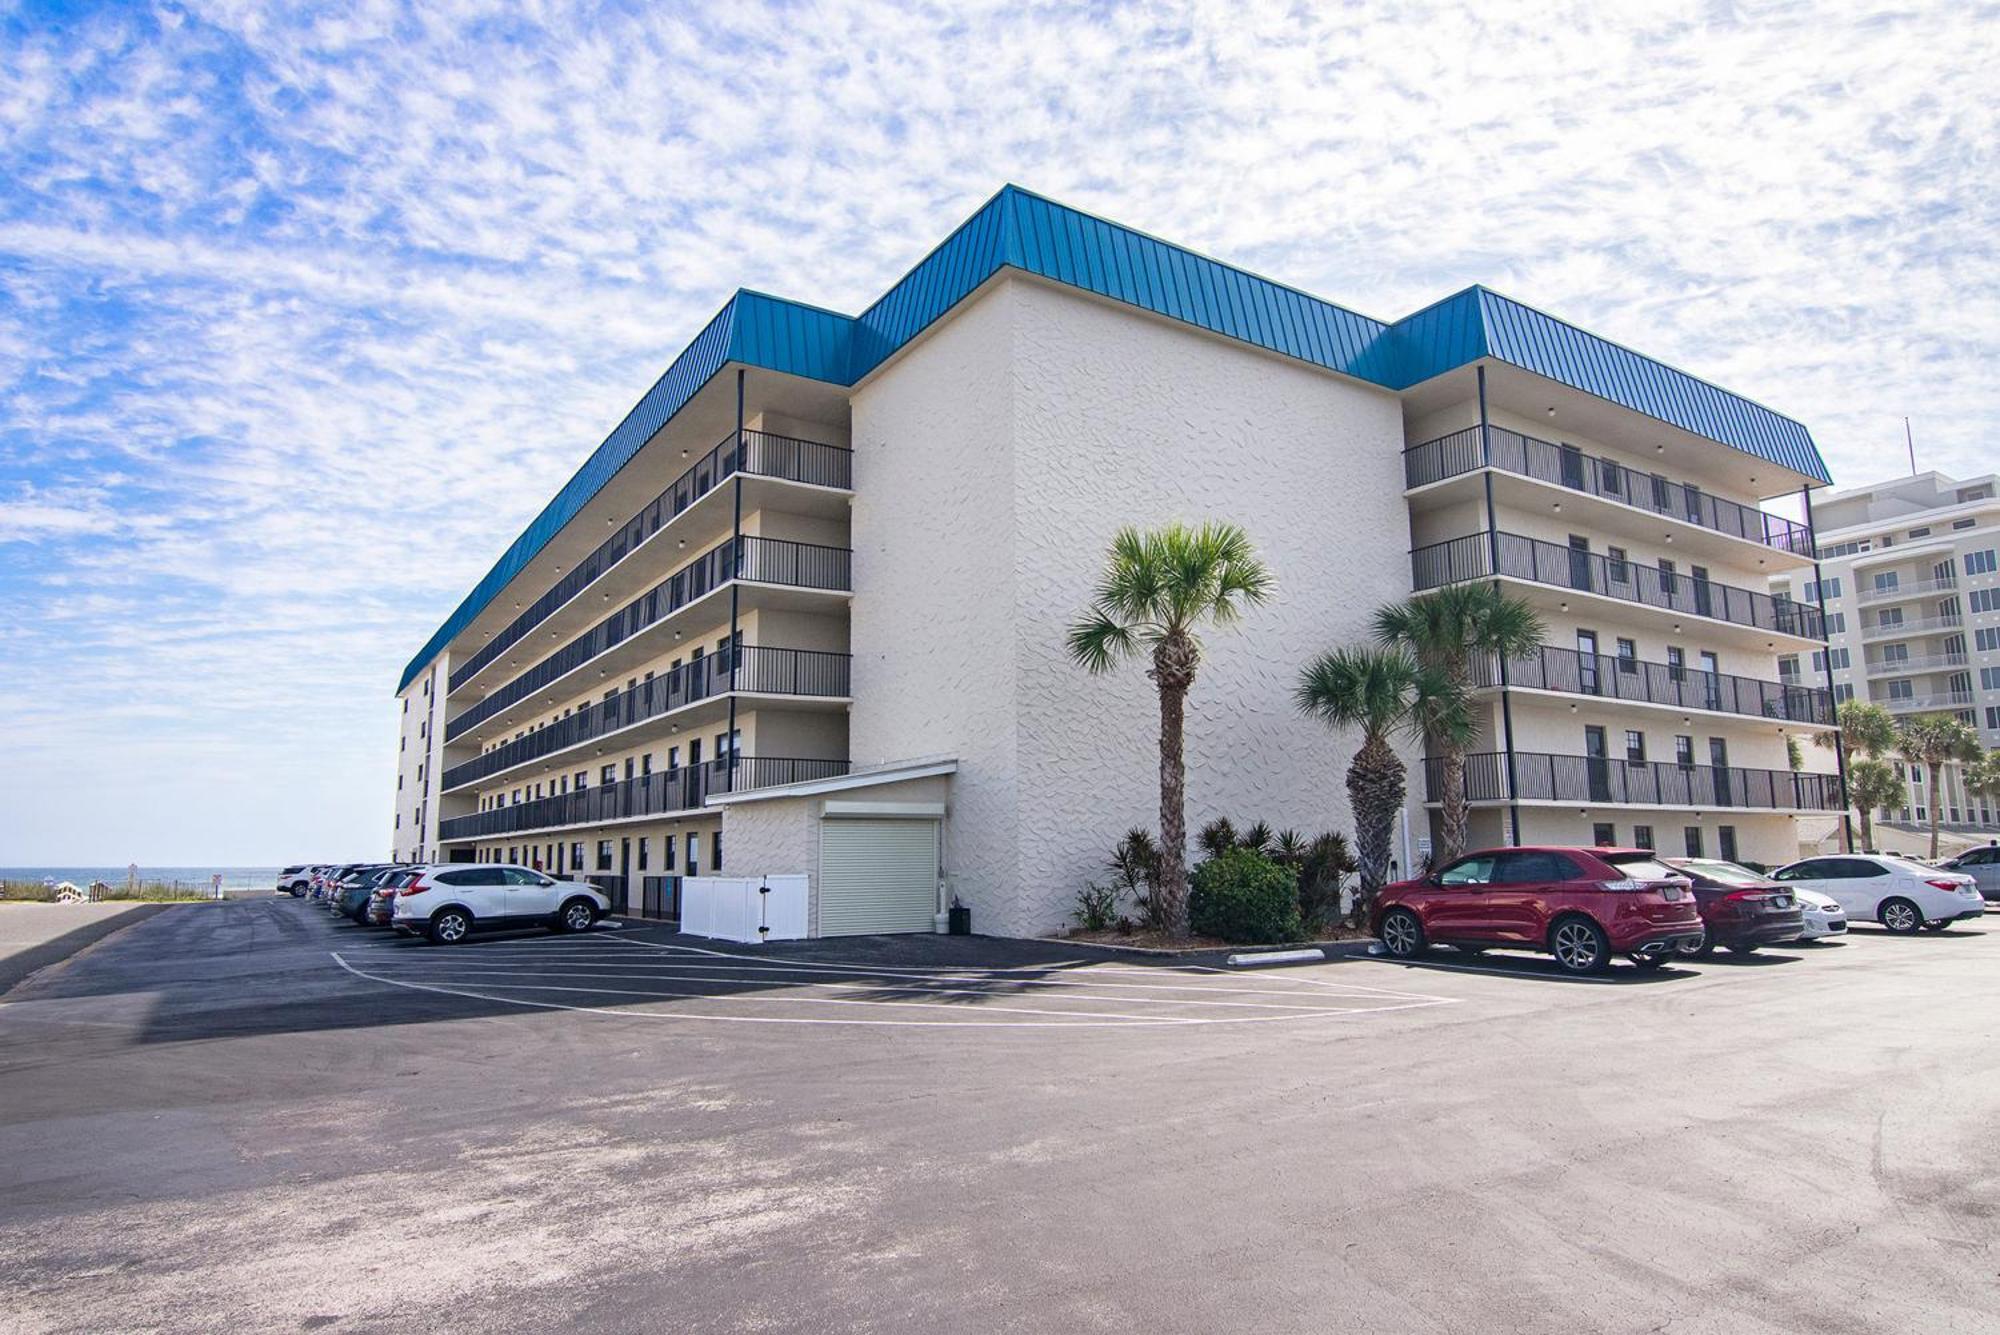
(1635, 748)
(1842, 693)
(715, 851)
(1691, 839)
(1923, 532)
(1987, 638)
(1677, 665)
(1902, 689)
(1888, 579)
(1628, 657)
(1684, 752)
(1990, 678)
(609, 774)
(1642, 836)
(1984, 600)
(1475, 870)
(1725, 842)
(1889, 616)
(1963, 523)
(1842, 659)
(667, 853)
(1992, 717)
(1981, 562)
(576, 855)
(1916, 778)
(1534, 867)
(1602, 835)
(643, 841)
(1896, 653)
(1836, 623)
(582, 779)
(1620, 565)
(694, 853)
(1830, 588)
(604, 855)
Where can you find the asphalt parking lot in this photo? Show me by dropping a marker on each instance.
(249, 1116)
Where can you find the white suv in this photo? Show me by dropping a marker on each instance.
(1901, 895)
(449, 902)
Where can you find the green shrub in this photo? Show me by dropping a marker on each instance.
(1244, 897)
(1096, 906)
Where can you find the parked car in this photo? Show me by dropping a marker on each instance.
(448, 903)
(356, 890)
(1902, 895)
(1581, 905)
(294, 880)
(381, 909)
(1983, 866)
(1740, 910)
(1820, 915)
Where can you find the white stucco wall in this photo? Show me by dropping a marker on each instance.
(994, 462)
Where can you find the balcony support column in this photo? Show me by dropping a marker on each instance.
(1493, 565)
(736, 586)
(1826, 660)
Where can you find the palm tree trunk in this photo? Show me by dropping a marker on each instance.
(1455, 811)
(1867, 832)
(1375, 792)
(1173, 813)
(1937, 801)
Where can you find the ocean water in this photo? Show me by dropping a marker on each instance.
(233, 878)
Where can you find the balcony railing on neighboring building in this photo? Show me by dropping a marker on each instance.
(758, 452)
(664, 793)
(1567, 466)
(1888, 630)
(762, 560)
(1589, 781)
(1897, 667)
(764, 671)
(1921, 588)
(1541, 562)
(1917, 704)
(1610, 677)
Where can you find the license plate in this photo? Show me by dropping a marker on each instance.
(1781, 901)
(1673, 892)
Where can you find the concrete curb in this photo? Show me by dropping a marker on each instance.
(19, 968)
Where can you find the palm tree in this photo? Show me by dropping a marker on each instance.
(1865, 732)
(1981, 777)
(1157, 588)
(1381, 691)
(1933, 741)
(1444, 629)
(1871, 783)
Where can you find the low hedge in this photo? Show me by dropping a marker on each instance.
(1244, 897)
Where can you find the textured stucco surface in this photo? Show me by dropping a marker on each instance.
(994, 462)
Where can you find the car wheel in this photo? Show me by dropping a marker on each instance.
(577, 916)
(1649, 962)
(1579, 946)
(1743, 950)
(1937, 926)
(1402, 934)
(1900, 916)
(449, 927)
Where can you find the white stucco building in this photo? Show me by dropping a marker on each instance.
(804, 610)
(1911, 576)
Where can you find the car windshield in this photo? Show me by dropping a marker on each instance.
(1722, 873)
(1641, 866)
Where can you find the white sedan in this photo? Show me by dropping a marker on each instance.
(1900, 894)
(1822, 915)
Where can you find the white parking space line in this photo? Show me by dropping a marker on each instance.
(1079, 995)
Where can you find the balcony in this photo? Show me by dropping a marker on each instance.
(1902, 667)
(1569, 467)
(1590, 782)
(758, 453)
(1889, 630)
(758, 560)
(760, 671)
(663, 794)
(1550, 563)
(1921, 704)
(1637, 681)
(1896, 593)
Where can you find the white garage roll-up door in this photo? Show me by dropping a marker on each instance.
(877, 876)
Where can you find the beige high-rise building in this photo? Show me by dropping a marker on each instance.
(1911, 576)
(804, 610)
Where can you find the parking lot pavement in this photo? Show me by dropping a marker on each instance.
(254, 1117)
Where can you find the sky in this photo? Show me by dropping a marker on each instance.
(305, 312)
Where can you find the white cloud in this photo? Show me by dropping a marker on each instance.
(281, 289)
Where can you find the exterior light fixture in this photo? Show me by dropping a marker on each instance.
(1559, 507)
(1552, 410)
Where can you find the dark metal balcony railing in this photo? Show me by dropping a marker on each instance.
(759, 452)
(1589, 781)
(807, 672)
(1610, 677)
(1567, 466)
(765, 560)
(660, 794)
(1567, 567)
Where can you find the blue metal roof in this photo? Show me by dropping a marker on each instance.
(1021, 230)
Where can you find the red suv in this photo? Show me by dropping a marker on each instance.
(1581, 905)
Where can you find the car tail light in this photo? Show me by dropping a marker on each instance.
(416, 887)
(1942, 884)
